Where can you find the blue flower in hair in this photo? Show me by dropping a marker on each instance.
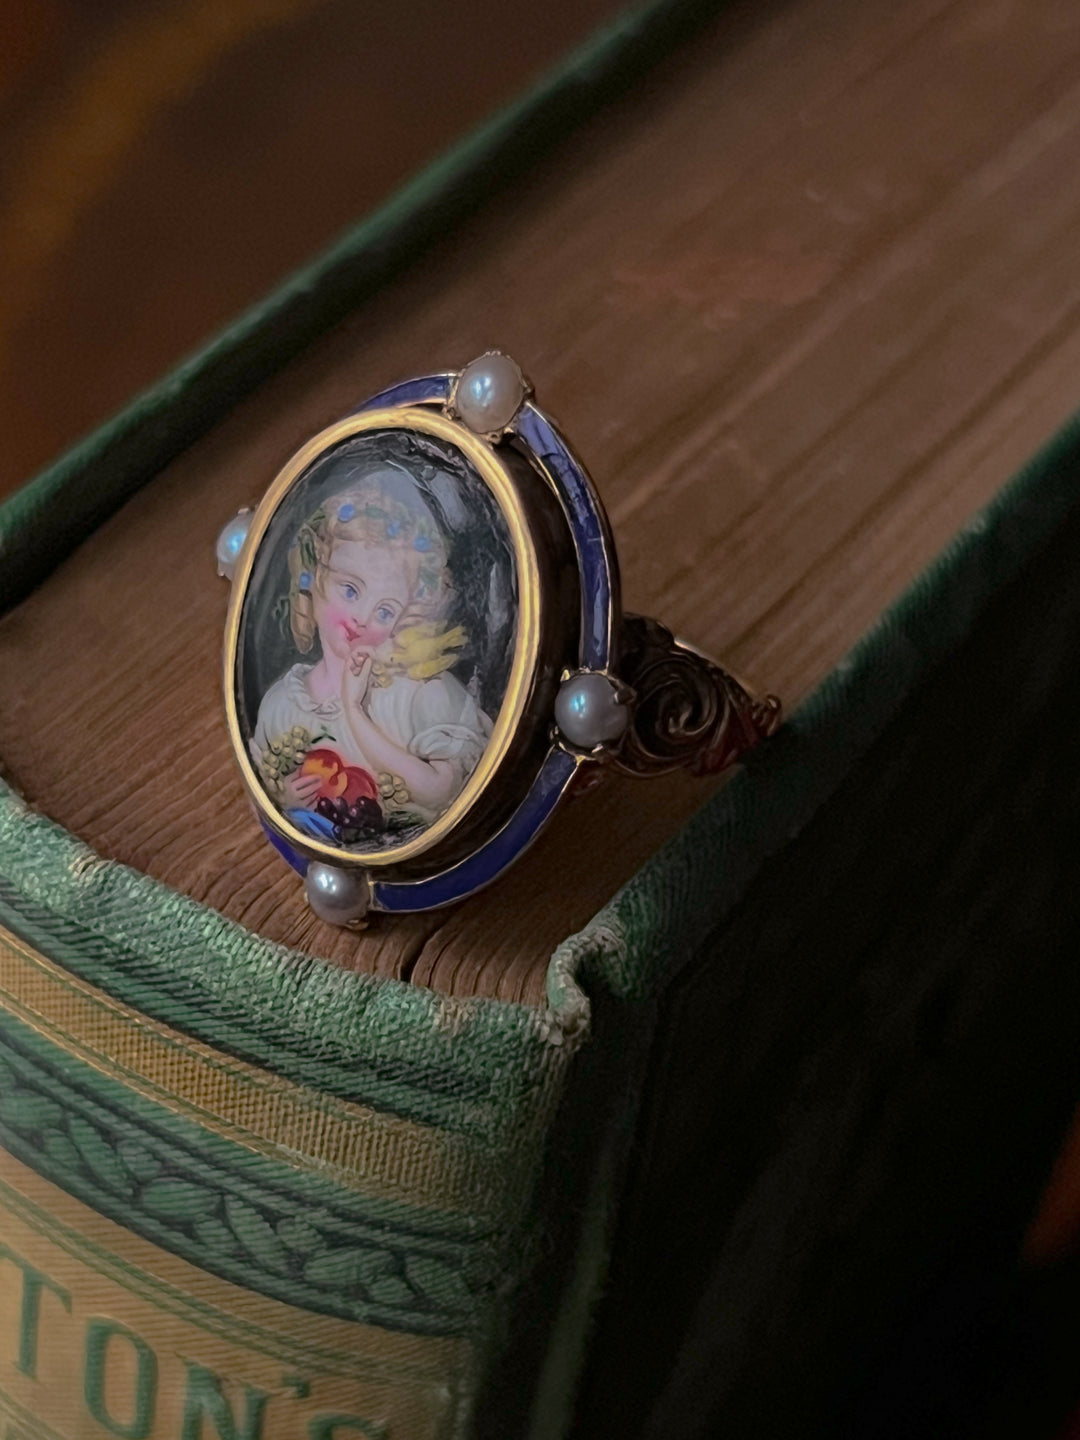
(393, 529)
(346, 511)
(421, 543)
(304, 581)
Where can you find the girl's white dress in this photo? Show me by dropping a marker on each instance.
(435, 719)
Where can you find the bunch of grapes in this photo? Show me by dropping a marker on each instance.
(393, 789)
(284, 755)
(362, 820)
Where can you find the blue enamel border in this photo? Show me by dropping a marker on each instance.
(595, 554)
(421, 391)
(599, 591)
(493, 857)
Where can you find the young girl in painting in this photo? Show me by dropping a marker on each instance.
(376, 736)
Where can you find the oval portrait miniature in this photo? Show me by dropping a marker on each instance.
(376, 640)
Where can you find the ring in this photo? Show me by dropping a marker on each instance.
(425, 650)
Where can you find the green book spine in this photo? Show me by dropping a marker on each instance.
(309, 1225)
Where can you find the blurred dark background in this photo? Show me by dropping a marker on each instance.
(163, 164)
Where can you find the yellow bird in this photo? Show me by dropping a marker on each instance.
(424, 650)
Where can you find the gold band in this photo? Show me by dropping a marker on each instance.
(688, 711)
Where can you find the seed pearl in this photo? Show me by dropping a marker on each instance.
(588, 712)
(340, 897)
(489, 393)
(230, 542)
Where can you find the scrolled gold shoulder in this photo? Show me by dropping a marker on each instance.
(688, 710)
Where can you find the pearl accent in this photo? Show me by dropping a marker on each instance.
(340, 897)
(489, 393)
(588, 711)
(230, 542)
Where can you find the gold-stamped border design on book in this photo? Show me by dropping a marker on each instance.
(377, 1155)
(104, 1334)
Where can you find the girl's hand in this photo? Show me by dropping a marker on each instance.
(300, 791)
(357, 680)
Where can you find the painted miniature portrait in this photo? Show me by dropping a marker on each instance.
(377, 640)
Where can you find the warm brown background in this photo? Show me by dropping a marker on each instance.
(164, 162)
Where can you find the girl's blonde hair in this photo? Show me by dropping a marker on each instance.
(382, 510)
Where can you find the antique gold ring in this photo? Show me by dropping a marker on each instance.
(425, 650)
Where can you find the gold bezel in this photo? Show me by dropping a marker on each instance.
(501, 482)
